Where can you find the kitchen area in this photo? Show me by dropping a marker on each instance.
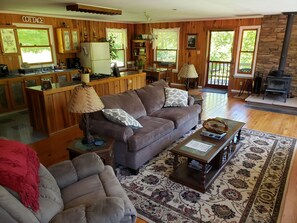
(43, 89)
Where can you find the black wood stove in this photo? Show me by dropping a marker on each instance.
(277, 81)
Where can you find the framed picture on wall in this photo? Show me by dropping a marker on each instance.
(191, 41)
(8, 40)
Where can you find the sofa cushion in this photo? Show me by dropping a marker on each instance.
(153, 96)
(178, 115)
(121, 117)
(93, 190)
(175, 97)
(128, 101)
(153, 129)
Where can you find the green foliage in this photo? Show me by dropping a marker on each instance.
(249, 39)
(167, 45)
(35, 45)
(221, 46)
(33, 37)
(167, 40)
(113, 45)
(139, 63)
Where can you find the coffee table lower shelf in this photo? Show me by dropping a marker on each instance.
(192, 178)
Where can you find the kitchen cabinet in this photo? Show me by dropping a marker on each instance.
(16, 87)
(68, 40)
(32, 81)
(62, 77)
(8, 37)
(12, 89)
(51, 77)
(4, 99)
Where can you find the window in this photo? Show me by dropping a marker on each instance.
(35, 45)
(118, 54)
(247, 51)
(166, 45)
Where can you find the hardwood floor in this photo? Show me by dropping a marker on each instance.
(53, 149)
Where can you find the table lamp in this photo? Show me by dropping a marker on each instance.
(85, 100)
(187, 71)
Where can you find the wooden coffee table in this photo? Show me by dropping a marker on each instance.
(210, 163)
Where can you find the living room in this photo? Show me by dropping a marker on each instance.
(272, 30)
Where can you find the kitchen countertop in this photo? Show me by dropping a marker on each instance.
(13, 75)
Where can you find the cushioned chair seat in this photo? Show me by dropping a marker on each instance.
(154, 129)
(178, 115)
(92, 189)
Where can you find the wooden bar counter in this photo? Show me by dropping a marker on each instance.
(48, 108)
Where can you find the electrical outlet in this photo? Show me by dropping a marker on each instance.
(240, 83)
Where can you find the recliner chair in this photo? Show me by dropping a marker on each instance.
(82, 190)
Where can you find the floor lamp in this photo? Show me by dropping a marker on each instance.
(188, 71)
(85, 100)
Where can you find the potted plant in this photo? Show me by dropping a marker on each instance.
(139, 64)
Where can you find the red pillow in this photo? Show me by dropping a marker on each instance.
(19, 167)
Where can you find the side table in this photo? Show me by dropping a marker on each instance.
(105, 151)
(198, 99)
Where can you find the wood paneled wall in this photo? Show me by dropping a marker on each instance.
(198, 57)
(93, 31)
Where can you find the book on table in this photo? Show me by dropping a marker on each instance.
(198, 166)
(197, 147)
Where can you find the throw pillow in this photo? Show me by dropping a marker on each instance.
(121, 117)
(175, 97)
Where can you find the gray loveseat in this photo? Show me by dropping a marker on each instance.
(83, 190)
(161, 126)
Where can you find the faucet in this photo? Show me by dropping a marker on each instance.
(41, 68)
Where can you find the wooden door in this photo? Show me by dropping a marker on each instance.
(220, 56)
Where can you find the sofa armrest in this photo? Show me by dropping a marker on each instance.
(110, 129)
(191, 100)
(110, 209)
(70, 171)
(12, 210)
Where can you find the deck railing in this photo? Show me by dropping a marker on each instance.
(218, 73)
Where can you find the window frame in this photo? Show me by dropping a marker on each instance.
(123, 31)
(239, 74)
(51, 42)
(155, 43)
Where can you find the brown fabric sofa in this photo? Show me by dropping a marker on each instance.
(161, 126)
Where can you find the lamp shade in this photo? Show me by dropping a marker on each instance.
(84, 99)
(188, 71)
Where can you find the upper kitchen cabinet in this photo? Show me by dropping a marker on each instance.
(68, 40)
(8, 40)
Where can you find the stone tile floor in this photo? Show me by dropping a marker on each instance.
(16, 126)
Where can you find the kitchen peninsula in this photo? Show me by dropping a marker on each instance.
(48, 108)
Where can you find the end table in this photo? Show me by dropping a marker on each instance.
(198, 99)
(105, 151)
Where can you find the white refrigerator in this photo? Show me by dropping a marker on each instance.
(95, 55)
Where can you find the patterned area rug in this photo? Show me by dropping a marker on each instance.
(249, 189)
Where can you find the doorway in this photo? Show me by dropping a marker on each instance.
(219, 61)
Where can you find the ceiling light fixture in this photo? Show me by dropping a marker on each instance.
(93, 9)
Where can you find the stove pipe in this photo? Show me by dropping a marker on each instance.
(286, 43)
